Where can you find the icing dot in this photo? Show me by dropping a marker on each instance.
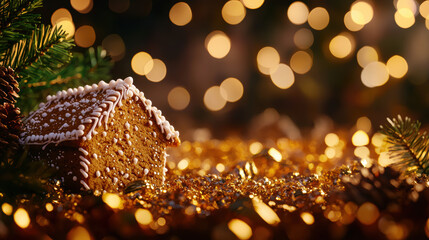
(135, 160)
(121, 152)
(74, 178)
(97, 173)
(127, 126)
(146, 171)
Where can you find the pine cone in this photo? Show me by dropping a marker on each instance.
(10, 128)
(9, 87)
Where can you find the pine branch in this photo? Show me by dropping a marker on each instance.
(16, 21)
(39, 56)
(409, 148)
(83, 69)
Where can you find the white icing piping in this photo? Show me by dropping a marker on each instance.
(117, 91)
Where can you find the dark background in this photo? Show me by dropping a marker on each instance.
(332, 87)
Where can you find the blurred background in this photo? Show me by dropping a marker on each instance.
(222, 68)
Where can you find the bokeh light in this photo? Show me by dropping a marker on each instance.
(119, 6)
(241, 229)
(267, 58)
(21, 218)
(342, 45)
(397, 66)
(318, 18)
(143, 216)
(231, 89)
(85, 36)
(366, 55)
(424, 9)
(178, 98)
(7, 209)
(67, 26)
(156, 70)
(367, 213)
(115, 46)
(141, 62)
(303, 38)
(78, 233)
(297, 13)
(213, 99)
(360, 138)
(275, 154)
(375, 74)
(361, 12)
(59, 15)
(332, 140)
(409, 4)
(218, 44)
(253, 4)
(404, 18)
(283, 77)
(301, 62)
(350, 24)
(233, 12)
(82, 6)
(307, 218)
(265, 212)
(180, 14)
(112, 200)
(364, 124)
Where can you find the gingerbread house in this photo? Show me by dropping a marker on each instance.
(101, 137)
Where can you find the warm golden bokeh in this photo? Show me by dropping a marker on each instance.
(253, 4)
(265, 212)
(318, 18)
(397, 66)
(301, 62)
(21, 218)
(307, 218)
(404, 18)
(424, 9)
(85, 36)
(141, 63)
(360, 138)
(156, 70)
(231, 89)
(82, 6)
(366, 55)
(350, 24)
(213, 99)
(178, 98)
(361, 12)
(180, 14)
(240, 228)
(303, 38)
(113, 200)
(364, 124)
(59, 15)
(218, 44)
(78, 233)
(375, 74)
(233, 12)
(267, 59)
(342, 45)
(283, 76)
(143, 216)
(368, 213)
(332, 139)
(67, 26)
(298, 13)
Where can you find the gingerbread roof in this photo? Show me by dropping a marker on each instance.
(74, 114)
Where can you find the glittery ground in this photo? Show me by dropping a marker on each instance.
(234, 189)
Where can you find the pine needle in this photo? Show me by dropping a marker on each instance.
(40, 55)
(409, 148)
(17, 21)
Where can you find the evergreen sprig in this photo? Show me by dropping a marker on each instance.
(16, 21)
(40, 55)
(84, 68)
(409, 147)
